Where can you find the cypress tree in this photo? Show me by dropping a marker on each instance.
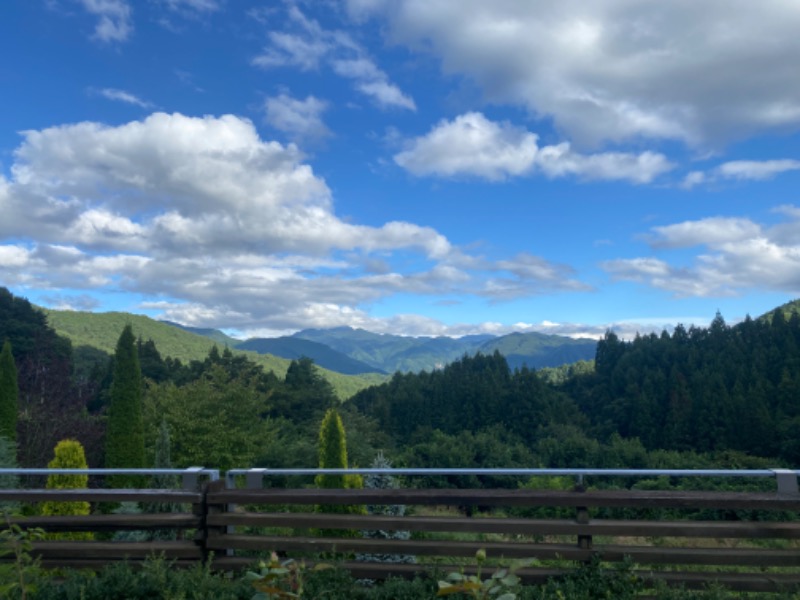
(9, 394)
(333, 455)
(332, 450)
(125, 433)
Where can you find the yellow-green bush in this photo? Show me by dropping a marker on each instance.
(68, 455)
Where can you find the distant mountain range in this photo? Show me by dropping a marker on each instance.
(357, 351)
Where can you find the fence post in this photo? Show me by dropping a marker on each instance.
(206, 531)
(582, 517)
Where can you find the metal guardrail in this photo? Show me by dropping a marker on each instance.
(190, 477)
(786, 479)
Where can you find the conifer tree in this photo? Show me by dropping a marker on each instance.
(333, 455)
(125, 432)
(332, 450)
(68, 454)
(9, 393)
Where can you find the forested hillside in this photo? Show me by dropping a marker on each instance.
(699, 397)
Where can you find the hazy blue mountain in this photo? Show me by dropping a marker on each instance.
(399, 353)
(321, 354)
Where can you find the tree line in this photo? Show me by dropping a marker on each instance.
(697, 397)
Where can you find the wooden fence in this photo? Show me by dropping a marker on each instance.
(747, 541)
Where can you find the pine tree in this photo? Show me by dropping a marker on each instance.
(9, 393)
(68, 455)
(125, 433)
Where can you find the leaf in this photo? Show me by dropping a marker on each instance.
(507, 596)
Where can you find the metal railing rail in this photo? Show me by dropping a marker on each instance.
(786, 479)
(190, 477)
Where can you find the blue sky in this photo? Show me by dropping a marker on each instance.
(406, 166)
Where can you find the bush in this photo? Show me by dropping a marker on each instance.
(68, 455)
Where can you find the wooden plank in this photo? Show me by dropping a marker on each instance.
(595, 527)
(118, 551)
(515, 550)
(457, 497)
(101, 495)
(111, 522)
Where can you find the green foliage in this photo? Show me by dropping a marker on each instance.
(502, 584)
(125, 432)
(8, 460)
(332, 450)
(280, 580)
(333, 455)
(19, 576)
(68, 455)
(155, 578)
(217, 420)
(9, 393)
(594, 581)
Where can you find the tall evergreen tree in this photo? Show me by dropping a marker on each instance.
(125, 432)
(333, 455)
(9, 393)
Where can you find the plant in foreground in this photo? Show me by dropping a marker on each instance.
(18, 577)
(276, 580)
(503, 584)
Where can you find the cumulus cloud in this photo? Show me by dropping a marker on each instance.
(114, 24)
(704, 73)
(300, 119)
(305, 44)
(238, 231)
(738, 255)
(472, 145)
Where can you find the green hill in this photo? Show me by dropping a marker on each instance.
(101, 331)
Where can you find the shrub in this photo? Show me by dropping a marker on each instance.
(68, 455)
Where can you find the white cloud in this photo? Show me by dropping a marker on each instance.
(239, 231)
(472, 145)
(199, 6)
(756, 169)
(122, 96)
(711, 232)
(705, 73)
(307, 45)
(114, 23)
(738, 255)
(300, 119)
(742, 170)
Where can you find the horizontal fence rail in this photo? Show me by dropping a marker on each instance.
(746, 540)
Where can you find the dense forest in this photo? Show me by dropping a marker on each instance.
(723, 395)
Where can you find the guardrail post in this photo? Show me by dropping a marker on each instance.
(190, 477)
(786, 480)
(254, 479)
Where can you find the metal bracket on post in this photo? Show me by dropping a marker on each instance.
(190, 477)
(787, 481)
(254, 479)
